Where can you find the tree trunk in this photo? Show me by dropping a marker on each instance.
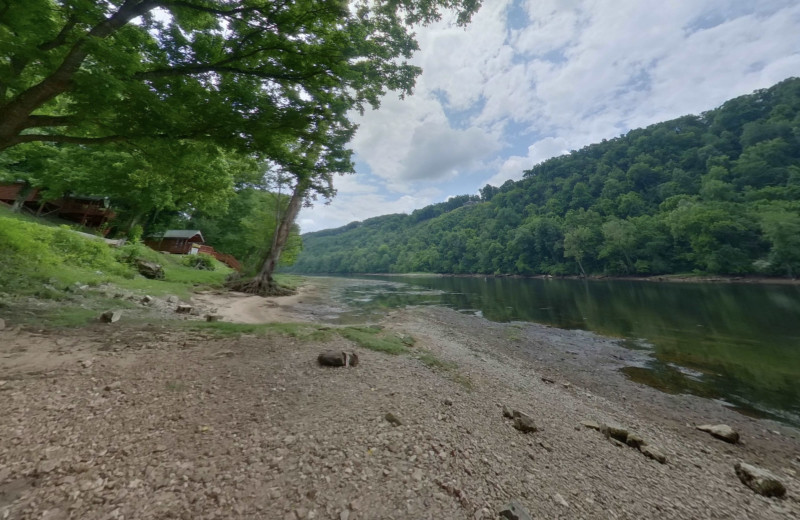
(263, 283)
(583, 273)
(19, 201)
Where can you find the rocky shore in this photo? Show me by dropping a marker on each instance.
(126, 420)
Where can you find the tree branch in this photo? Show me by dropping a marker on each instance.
(39, 121)
(61, 38)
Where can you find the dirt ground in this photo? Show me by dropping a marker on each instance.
(131, 420)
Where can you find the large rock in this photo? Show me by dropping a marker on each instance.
(760, 480)
(721, 431)
(514, 511)
(150, 270)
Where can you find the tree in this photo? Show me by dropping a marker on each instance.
(273, 79)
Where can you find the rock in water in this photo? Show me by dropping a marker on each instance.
(514, 511)
(759, 480)
(721, 431)
(110, 316)
(524, 423)
(150, 270)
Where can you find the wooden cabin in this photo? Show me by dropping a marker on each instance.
(176, 241)
(92, 212)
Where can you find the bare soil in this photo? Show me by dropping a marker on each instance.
(130, 420)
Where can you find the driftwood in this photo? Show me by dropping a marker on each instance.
(333, 358)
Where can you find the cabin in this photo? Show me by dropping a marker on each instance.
(177, 241)
(92, 212)
(188, 242)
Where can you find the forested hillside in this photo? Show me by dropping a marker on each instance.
(714, 193)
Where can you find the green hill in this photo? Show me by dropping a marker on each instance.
(712, 193)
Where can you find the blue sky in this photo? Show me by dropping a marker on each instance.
(533, 79)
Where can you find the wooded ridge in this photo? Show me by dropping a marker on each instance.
(714, 193)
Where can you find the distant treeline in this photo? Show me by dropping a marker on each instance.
(714, 193)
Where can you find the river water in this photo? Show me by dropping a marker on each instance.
(739, 343)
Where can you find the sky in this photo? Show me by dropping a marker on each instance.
(528, 80)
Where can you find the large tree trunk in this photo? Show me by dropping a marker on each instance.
(263, 283)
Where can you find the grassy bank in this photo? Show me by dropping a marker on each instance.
(43, 260)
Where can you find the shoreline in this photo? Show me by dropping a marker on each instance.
(155, 421)
(670, 278)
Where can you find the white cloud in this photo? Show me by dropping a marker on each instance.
(578, 71)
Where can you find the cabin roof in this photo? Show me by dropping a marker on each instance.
(182, 233)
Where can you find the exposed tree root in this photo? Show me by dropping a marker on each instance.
(258, 286)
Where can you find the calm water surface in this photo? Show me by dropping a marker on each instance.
(736, 343)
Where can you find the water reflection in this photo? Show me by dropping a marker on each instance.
(739, 343)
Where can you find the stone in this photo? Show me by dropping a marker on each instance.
(2, 323)
(514, 511)
(183, 309)
(558, 499)
(721, 431)
(614, 431)
(524, 423)
(110, 316)
(150, 270)
(634, 440)
(651, 452)
(213, 317)
(591, 425)
(507, 413)
(760, 480)
(334, 358)
(448, 402)
(146, 299)
(393, 419)
(86, 363)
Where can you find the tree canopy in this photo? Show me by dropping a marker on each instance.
(714, 193)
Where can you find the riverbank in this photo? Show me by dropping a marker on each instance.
(673, 278)
(140, 420)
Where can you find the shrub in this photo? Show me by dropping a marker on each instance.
(200, 261)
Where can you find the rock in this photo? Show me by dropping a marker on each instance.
(524, 423)
(721, 431)
(548, 380)
(651, 452)
(635, 441)
(147, 300)
(183, 309)
(86, 363)
(614, 431)
(213, 317)
(448, 402)
(113, 386)
(46, 466)
(110, 316)
(2, 323)
(172, 299)
(558, 499)
(150, 270)
(759, 480)
(507, 413)
(392, 419)
(591, 425)
(514, 511)
(333, 358)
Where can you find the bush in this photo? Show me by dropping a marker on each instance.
(200, 261)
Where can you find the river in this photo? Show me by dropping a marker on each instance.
(738, 343)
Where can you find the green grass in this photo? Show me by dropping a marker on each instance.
(37, 259)
(374, 338)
